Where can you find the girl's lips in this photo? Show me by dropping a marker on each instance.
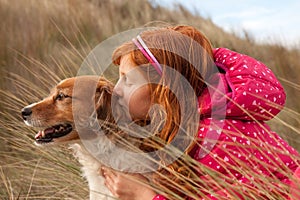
(121, 112)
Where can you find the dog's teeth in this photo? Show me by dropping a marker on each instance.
(43, 133)
(38, 135)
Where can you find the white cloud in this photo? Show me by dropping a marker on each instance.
(263, 19)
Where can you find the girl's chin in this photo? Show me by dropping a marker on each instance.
(139, 117)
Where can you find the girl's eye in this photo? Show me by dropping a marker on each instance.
(127, 80)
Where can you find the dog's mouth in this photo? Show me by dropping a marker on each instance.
(47, 135)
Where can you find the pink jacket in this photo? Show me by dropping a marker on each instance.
(236, 123)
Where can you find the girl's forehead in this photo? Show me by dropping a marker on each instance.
(126, 64)
(129, 67)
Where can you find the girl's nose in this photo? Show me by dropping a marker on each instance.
(118, 89)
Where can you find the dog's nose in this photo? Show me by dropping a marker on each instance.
(26, 112)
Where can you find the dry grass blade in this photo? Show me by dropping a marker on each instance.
(43, 42)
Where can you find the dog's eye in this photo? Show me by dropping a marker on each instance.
(60, 96)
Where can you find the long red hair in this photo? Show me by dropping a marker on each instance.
(188, 52)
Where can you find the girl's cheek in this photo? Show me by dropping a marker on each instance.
(139, 103)
(138, 109)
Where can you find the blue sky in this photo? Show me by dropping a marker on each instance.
(267, 21)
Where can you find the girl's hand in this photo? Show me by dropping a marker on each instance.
(127, 186)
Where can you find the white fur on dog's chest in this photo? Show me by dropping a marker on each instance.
(90, 169)
(110, 155)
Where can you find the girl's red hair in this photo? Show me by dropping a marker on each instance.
(189, 52)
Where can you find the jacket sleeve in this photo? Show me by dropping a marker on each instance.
(255, 91)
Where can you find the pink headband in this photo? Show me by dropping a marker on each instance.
(147, 53)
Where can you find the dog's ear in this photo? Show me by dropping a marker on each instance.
(103, 100)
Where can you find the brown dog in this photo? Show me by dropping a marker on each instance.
(84, 100)
(78, 111)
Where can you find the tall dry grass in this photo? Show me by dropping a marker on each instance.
(44, 41)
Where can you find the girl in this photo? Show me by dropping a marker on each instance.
(233, 154)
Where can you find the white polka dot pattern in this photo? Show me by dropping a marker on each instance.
(255, 91)
(245, 142)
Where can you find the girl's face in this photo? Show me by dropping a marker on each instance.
(132, 89)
